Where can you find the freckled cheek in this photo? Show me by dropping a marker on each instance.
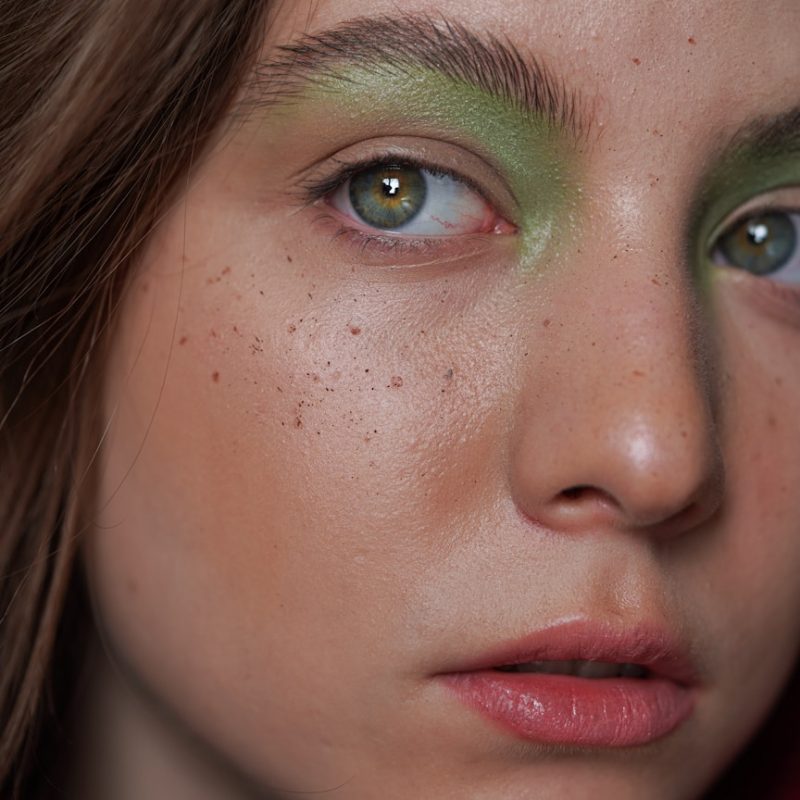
(331, 406)
(336, 417)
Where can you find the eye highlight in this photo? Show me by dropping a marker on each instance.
(387, 197)
(764, 244)
(412, 200)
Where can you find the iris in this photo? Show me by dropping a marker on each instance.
(760, 244)
(388, 197)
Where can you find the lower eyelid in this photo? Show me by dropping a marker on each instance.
(501, 226)
(374, 248)
(780, 301)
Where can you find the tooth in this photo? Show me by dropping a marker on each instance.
(598, 669)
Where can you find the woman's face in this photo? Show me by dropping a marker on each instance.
(423, 377)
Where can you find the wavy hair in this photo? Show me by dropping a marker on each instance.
(106, 105)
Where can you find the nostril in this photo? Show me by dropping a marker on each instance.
(582, 493)
(584, 501)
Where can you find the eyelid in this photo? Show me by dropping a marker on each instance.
(784, 200)
(436, 156)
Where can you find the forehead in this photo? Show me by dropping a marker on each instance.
(703, 69)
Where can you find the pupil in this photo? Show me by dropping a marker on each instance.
(758, 233)
(391, 186)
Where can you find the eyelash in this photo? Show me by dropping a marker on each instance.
(314, 190)
(780, 297)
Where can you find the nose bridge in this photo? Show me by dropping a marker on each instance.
(615, 421)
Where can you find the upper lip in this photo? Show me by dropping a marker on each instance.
(648, 645)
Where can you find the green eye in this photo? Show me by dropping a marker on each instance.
(760, 244)
(388, 197)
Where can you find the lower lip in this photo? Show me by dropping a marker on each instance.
(563, 709)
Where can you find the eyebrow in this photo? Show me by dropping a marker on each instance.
(769, 136)
(400, 44)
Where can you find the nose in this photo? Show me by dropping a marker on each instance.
(615, 423)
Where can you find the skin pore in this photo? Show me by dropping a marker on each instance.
(341, 462)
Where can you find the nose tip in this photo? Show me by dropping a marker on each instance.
(597, 451)
(642, 484)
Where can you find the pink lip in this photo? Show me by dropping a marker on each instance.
(595, 712)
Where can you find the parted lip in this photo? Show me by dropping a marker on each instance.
(648, 645)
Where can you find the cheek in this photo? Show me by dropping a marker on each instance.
(278, 481)
(743, 573)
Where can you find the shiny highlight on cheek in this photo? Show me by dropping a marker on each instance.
(532, 157)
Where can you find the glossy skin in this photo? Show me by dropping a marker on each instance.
(327, 481)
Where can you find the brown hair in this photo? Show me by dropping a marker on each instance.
(106, 104)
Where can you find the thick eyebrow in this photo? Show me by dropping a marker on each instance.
(399, 44)
(769, 136)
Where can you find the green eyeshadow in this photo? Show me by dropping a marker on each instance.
(739, 177)
(534, 157)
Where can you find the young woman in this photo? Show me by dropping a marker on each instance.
(399, 403)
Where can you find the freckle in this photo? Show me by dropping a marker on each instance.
(215, 377)
(355, 330)
(291, 328)
(226, 271)
(213, 334)
(183, 340)
(546, 323)
(288, 258)
(261, 292)
(684, 435)
(779, 381)
(692, 40)
(636, 61)
(771, 421)
(637, 373)
(396, 381)
(145, 287)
